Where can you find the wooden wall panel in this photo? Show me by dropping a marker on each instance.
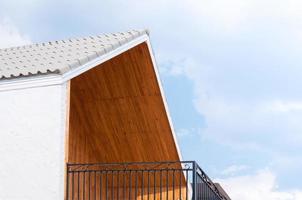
(117, 113)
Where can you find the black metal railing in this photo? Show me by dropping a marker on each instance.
(183, 180)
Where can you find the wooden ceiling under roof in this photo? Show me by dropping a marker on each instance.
(117, 113)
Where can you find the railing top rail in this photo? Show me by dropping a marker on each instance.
(130, 163)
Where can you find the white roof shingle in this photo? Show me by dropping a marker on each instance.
(59, 56)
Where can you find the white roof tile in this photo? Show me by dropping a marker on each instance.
(59, 56)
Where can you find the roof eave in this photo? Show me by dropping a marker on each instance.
(57, 79)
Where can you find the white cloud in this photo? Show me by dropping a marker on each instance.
(183, 132)
(10, 35)
(258, 186)
(225, 15)
(234, 169)
(189, 132)
(172, 68)
(237, 120)
(235, 15)
(286, 106)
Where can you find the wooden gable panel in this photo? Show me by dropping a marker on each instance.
(117, 113)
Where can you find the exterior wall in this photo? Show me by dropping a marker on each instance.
(32, 123)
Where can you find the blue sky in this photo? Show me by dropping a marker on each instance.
(231, 70)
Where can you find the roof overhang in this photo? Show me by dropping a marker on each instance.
(58, 79)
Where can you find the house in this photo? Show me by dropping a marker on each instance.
(86, 118)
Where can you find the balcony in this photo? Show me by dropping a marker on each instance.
(183, 180)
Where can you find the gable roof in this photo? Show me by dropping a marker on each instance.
(59, 57)
(54, 63)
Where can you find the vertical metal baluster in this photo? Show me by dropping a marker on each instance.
(106, 184)
(148, 188)
(67, 184)
(72, 187)
(101, 185)
(118, 185)
(160, 184)
(204, 190)
(194, 181)
(173, 186)
(187, 178)
(207, 191)
(89, 187)
(208, 196)
(142, 186)
(167, 183)
(78, 185)
(94, 185)
(112, 185)
(197, 187)
(124, 184)
(130, 185)
(84, 184)
(180, 184)
(135, 191)
(201, 189)
(202, 195)
(154, 186)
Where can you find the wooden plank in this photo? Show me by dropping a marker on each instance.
(117, 113)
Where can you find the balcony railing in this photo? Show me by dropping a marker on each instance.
(140, 181)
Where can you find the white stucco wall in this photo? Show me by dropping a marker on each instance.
(32, 143)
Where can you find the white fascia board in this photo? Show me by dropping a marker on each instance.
(164, 98)
(167, 110)
(58, 79)
(30, 82)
